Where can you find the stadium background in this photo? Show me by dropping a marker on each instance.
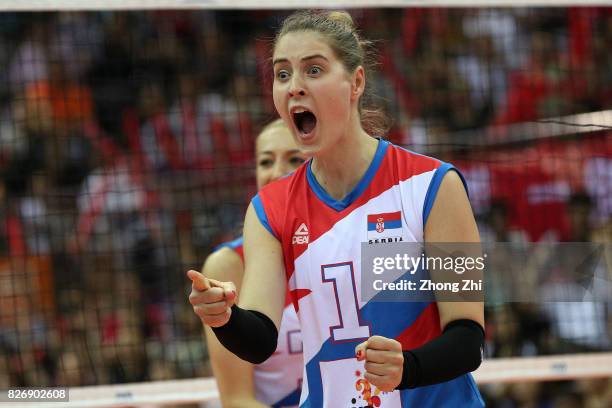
(126, 154)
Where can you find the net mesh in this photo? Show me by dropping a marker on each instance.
(126, 149)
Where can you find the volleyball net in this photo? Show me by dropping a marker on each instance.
(126, 154)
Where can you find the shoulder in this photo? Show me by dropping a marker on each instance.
(409, 163)
(276, 194)
(221, 263)
(272, 203)
(234, 244)
(405, 155)
(287, 183)
(451, 213)
(452, 185)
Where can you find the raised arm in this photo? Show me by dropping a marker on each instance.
(250, 331)
(264, 282)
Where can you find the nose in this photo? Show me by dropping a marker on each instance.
(294, 92)
(296, 87)
(279, 171)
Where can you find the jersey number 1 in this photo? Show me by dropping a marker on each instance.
(341, 275)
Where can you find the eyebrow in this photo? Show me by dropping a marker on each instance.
(309, 57)
(294, 151)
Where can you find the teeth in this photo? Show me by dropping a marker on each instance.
(299, 110)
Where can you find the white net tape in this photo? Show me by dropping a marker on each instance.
(270, 4)
(204, 390)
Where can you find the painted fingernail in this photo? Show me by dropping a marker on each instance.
(359, 353)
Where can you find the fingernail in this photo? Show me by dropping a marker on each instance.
(359, 352)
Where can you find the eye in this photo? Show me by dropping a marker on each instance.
(282, 74)
(296, 161)
(265, 163)
(314, 70)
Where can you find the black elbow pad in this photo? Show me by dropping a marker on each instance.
(457, 351)
(249, 334)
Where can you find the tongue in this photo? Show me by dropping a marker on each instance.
(308, 123)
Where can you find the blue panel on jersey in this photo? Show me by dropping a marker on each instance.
(290, 400)
(230, 244)
(261, 213)
(340, 205)
(434, 186)
(460, 392)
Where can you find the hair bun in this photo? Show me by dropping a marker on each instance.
(341, 17)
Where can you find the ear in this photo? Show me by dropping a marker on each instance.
(358, 83)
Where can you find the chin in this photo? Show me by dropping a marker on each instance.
(310, 150)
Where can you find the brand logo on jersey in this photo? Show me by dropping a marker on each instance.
(385, 227)
(300, 236)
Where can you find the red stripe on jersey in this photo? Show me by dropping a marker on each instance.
(290, 201)
(394, 216)
(425, 328)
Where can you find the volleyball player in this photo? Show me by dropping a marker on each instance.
(276, 382)
(307, 230)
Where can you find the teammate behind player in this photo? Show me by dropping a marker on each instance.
(276, 382)
(307, 230)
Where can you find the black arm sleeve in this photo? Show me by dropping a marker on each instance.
(458, 350)
(249, 334)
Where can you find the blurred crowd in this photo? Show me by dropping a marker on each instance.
(126, 144)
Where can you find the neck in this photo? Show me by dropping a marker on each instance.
(339, 169)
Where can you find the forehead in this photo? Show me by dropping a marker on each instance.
(277, 138)
(299, 44)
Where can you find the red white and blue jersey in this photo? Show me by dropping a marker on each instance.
(278, 380)
(321, 240)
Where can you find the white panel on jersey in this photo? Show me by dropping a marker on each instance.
(348, 374)
(281, 374)
(414, 191)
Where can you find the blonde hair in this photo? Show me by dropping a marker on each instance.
(274, 124)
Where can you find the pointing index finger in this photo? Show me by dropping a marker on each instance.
(199, 281)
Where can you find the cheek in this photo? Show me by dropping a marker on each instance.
(277, 96)
(337, 99)
(294, 166)
(287, 167)
(261, 178)
(337, 109)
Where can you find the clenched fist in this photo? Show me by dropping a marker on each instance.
(384, 362)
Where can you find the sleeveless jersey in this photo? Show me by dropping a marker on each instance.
(278, 380)
(321, 241)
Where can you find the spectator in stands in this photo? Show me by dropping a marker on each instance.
(574, 304)
(30, 61)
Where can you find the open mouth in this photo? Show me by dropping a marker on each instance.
(305, 121)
